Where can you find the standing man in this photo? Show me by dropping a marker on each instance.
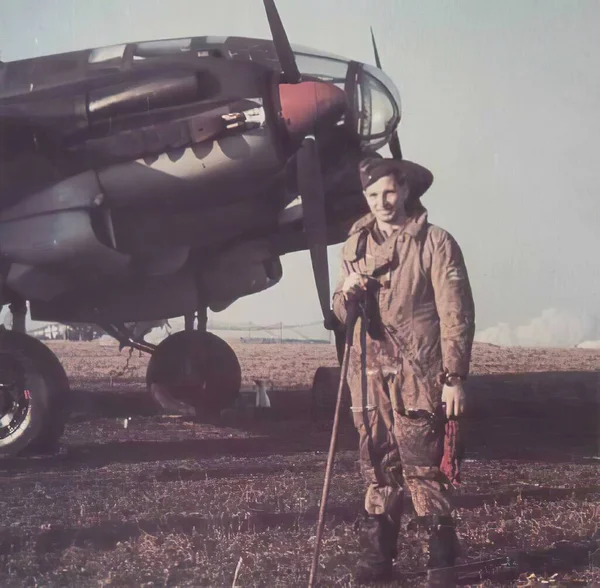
(407, 364)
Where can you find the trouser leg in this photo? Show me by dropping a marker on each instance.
(420, 442)
(381, 469)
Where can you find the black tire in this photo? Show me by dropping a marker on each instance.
(42, 422)
(324, 395)
(196, 368)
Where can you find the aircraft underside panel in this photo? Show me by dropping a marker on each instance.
(245, 269)
(240, 271)
(150, 298)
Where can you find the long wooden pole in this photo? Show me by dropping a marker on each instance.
(352, 315)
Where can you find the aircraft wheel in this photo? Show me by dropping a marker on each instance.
(324, 394)
(34, 396)
(194, 372)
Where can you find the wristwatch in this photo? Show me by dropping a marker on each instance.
(452, 379)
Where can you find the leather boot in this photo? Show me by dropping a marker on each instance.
(443, 551)
(379, 540)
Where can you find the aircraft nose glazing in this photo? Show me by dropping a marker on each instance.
(309, 104)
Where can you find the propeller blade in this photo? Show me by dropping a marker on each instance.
(395, 148)
(377, 60)
(310, 186)
(282, 45)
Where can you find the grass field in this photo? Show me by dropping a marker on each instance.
(173, 502)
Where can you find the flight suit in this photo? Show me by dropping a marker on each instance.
(421, 324)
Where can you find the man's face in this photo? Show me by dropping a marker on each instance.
(386, 198)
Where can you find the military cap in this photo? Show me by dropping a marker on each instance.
(419, 178)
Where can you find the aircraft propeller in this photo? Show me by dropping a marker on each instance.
(310, 178)
(395, 148)
(310, 186)
(282, 45)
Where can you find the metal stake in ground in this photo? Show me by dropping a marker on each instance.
(354, 309)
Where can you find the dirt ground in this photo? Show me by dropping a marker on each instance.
(170, 501)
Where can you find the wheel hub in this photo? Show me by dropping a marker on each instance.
(14, 398)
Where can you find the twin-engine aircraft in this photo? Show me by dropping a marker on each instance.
(156, 179)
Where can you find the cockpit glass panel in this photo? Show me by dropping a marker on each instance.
(312, 63)
(316, 52)
(162, 48)
(387, 82)
(378, 112)
(323, 68)
(103, 54)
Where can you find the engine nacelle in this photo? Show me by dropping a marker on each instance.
(244, 269)
(59, 232)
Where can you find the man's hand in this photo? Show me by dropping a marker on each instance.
(455, 399)
(353, 284)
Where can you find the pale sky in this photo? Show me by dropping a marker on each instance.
(501, 101)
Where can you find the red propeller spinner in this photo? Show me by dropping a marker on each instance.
(307, 105)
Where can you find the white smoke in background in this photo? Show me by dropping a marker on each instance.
(590, 345)
(498, 335)
(554, 328)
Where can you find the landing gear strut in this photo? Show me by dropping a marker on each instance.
(18, 309)
(194, 371)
